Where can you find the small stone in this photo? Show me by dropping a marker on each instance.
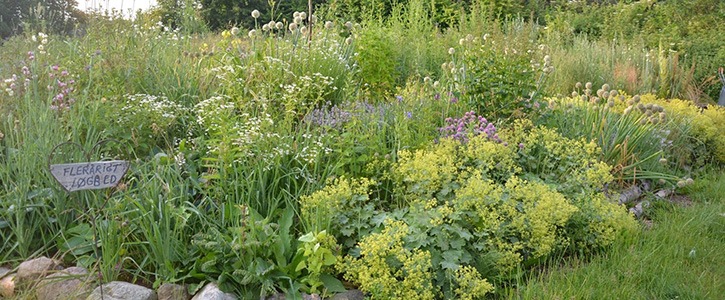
(169, 291)
(7, 286)
(31, 270)
(349, 295)
(119, 290)
(68, 284)
(212, 292)
(4, 271)
(638, 210)
(663, 193)
(311, 297)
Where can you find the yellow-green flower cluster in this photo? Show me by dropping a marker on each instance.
(470, 284)
(551, 156)
(598, 222)
(428, 171)
(520, 217)
(320, 208)
(388, 270)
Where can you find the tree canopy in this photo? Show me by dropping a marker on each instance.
(58, 16)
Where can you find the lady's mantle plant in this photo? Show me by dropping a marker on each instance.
(469, 209)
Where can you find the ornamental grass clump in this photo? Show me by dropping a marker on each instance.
(700, 126)
(631, 142)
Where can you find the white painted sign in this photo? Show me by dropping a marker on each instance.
(89, 175)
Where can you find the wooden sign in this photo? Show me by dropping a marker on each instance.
(89, 175)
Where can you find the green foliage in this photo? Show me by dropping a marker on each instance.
(255, 152)
(316, 257)
(498, 83)
(252, 257)
(388, 270)
(376, 61)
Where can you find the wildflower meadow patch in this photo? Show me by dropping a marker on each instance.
(426, 150)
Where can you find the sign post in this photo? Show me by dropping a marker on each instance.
(89, 175)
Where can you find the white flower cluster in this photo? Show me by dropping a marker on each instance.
(213, 113)
(10, 85)
(42, 40)
(149, 109)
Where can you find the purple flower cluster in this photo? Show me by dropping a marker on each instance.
(333, 117)
(62, 88)
(467, 126)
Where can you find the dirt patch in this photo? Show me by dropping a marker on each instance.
(682, 200)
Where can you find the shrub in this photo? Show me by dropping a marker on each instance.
(376, 61)
(497, 83)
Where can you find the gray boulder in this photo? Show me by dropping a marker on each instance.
(119, 290)
(349, 295)
(71, 283)
(168, 291)
(34, 269)
(212, 292)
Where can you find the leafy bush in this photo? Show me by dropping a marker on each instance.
(376, 61)
(496, 83)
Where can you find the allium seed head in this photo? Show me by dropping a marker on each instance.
(255, 14)
(451, 51)
(328, 25)
(588, 85)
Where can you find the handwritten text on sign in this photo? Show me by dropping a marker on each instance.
(89, 175)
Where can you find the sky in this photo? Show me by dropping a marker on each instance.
(123, 5)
